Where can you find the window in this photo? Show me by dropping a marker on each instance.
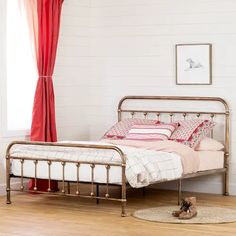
(21, 70)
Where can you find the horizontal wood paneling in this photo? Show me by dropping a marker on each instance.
(72, 71)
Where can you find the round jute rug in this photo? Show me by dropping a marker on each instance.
(206, 215)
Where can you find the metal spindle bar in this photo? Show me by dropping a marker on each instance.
(184, 115)
(171, 117)
(22, 174)
(63, 177)
(144, 191)
(177, 112)
(35, 174)
(212, 119)
(158, 116)
(68, 187)
(77, 181)
(179, 191)
(132, 114)
(8, 178)
(145, 115)
(97, 193)
(92, 179)
(49, 176)
(107, 185)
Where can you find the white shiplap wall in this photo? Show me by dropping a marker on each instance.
(2, 76)
(132, 53)
(72, 71)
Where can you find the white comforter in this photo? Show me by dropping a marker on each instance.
(143, 167)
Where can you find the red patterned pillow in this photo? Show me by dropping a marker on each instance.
(151, 132)
(121, 129)
(191, 132)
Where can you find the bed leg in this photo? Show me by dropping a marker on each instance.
(8, 181)
(8, 197)
(8, 201)
(179, 191)
(226, 183)
(123, 192)
(68, 187)
(123, 208)
(97, 193)
(123, 202)
(144, 191)
(120, 191)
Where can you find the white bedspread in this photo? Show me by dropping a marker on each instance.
(143, 167)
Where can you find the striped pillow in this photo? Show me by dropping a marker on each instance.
(121, 129)
(151, 132)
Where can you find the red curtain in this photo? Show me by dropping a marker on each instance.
(43, 127)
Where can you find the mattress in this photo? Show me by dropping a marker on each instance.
(210, 160)
(143, 167)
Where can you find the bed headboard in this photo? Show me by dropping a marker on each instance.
(169, 108)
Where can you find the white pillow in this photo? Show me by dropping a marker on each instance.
(209, 144)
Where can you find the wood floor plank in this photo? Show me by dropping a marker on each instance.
(37, 214)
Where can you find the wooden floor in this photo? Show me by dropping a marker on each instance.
(38, 214)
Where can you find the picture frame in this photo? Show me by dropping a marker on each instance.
(193, 64)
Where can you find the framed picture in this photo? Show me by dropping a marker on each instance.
(193, 64)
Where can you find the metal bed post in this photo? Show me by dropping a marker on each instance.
(226, 155)
(97, 193)
(179, 191)
(8, 179)
(123, 200)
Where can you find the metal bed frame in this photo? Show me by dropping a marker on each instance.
(94, 194)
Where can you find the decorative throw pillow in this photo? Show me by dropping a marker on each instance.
(120, 129)
(209, 144)
(191, 132)
(151, 132)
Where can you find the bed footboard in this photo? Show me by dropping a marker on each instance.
(92, 195)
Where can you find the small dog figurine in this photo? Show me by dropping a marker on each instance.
(193, 64)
